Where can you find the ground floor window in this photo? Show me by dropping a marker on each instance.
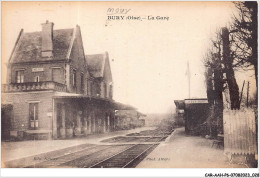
(33, 115)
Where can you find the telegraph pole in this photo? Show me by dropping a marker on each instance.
(189, 85)
(188, 75)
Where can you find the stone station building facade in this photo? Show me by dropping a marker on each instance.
(54, 90)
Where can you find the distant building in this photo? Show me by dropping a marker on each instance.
(54, 90)
(129, 118)
(179, 112)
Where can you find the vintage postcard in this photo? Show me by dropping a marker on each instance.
(129, 85)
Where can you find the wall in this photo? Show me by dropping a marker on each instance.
(78, 63)
(20, 102)
(45, 75)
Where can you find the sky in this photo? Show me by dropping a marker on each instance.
(148, 58)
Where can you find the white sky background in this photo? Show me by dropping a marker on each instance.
(149, 57)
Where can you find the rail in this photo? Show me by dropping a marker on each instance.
(138, 156)
(127, 149)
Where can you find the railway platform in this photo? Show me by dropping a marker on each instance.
(20, 149)
(182, 151)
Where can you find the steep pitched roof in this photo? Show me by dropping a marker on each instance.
(96, 63)
(28, 48)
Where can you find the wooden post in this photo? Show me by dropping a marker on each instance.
(78, 128)
(54, 121)
(241, 93)
(104, 119)
(85, 122)
(108, 123)
(63, 116)
(89, 122)
(247, 94)
(94, 121)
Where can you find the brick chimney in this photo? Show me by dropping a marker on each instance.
(47, 38)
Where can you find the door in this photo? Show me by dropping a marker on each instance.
(33, 116)
(6, 116)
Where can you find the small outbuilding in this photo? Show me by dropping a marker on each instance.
(195, 115)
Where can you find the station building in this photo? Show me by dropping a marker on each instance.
(54, 90)
(194, 114)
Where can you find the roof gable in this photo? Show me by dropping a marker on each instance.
(98, 65)
(107, 71)
(28, 48)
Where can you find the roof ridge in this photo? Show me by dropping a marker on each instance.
(53, 30)
(71, 43)
(16, 44)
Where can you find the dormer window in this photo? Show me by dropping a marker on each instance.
(89, 88)
(105, 90)
(20, 76)
(74, 76)
(82, 82)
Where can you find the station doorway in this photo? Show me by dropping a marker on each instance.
(6, 117)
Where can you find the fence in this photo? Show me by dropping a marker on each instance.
(240, 131)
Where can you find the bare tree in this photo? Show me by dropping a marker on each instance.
(228, 61)
(215, 83)
(219, 62)
(243, 37)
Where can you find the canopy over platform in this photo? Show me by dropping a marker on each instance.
(80, 97)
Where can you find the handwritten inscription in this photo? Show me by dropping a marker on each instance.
(112, 11)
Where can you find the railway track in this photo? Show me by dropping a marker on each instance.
(67, 157)
(80, 157)
(129, 157)
(126, 155)
(36, 159)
